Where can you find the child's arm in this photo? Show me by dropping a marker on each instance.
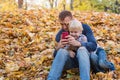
(84, 38)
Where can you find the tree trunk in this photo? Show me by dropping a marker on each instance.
(105, 9)
(56, 3)
(26, 5)
(51, 3)
(71, 4)
(64, 6)
(20, 3)
(80, 2)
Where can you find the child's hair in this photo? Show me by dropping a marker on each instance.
(75, 25)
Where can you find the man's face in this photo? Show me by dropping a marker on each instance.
(65, 23)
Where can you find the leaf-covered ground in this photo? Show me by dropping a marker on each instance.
(27, 42)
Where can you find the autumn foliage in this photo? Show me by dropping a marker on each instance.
(27, 42)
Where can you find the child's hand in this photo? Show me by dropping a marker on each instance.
(72, 54)
(72, 41)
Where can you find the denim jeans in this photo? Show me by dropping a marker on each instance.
(62, 61)
(99, 62)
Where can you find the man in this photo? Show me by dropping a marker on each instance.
(62, 59)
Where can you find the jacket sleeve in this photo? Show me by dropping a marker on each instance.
(57, 38)
(91, 45)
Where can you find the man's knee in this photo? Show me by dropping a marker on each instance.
(62, 52)
(81, 49)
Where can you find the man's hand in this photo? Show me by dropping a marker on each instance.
(62, 44)
(72, 54)
(73, 42)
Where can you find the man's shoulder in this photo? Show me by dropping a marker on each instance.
(61, 30)
(85, 25)
(86, 28)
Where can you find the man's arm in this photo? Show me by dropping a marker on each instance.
(60, 42)
(91, 45)
(58, 36)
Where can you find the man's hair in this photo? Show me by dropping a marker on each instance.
(75, 25)
(64, 14)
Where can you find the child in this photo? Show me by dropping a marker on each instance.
(75, 29)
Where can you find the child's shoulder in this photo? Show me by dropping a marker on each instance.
(82, 38)
(82, 35)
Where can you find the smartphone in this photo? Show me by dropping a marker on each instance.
(64, 34)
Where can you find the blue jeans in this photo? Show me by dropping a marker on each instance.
(62, 61)
(99, 62)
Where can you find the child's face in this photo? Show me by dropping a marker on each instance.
(75, 33)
